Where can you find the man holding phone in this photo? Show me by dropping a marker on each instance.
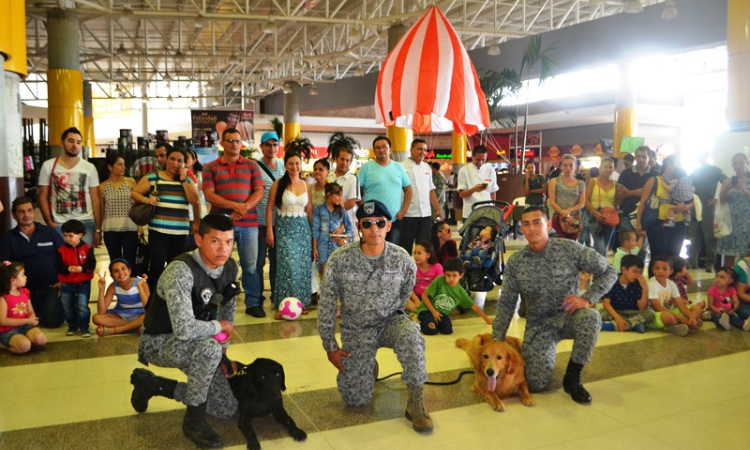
(477, 181)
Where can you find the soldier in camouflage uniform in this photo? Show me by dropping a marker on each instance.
(546, 273)
(372, 279)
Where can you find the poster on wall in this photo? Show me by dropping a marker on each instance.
(212, 123)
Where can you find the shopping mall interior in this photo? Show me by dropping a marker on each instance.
(672, 73)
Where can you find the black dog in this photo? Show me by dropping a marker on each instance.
(258, 389)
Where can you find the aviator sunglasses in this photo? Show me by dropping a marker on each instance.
(366, 224)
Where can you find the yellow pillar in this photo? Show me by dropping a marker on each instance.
(400, 142)
(64, 77)
(738, 50)
(626, 120)
(88, 120)
(738, 70)
(13, 36)
(65, 93)
(292, 131)
(458, 148)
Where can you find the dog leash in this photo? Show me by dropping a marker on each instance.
(432, 383)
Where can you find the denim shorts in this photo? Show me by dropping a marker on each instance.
(5, 337)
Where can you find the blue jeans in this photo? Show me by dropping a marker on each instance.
(247, 248)
(744, 310)
(603, 239)
(445, 326)
(262, 249)
(75, 301)
(481, 254)
(666, 241)
(394, 236)
(90, 228)
(162, 248)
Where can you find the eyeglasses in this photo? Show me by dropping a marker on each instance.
(233, 141)
(366, 224)
(444, 230)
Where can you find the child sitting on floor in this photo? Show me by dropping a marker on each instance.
(19, 328)
(631, 245)
(132, 296)
(664, 299)
(443, 296)
(626, 304)
(480, 249)
(723, 301)
(682, 279)
(428, 268)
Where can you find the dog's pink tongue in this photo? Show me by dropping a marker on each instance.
(491, 384)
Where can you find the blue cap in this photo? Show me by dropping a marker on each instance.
(373, 208)
(268, 135)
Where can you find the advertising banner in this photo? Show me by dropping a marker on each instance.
(210, 124)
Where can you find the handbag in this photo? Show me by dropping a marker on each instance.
(571, 224)
(722, 221)
(610, 215)
(142, 213)
(650, 214)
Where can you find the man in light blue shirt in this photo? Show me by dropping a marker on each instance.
(385, 180)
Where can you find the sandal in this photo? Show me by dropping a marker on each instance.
(277, 316)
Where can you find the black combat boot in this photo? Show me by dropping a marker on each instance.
(146, 385)
(572, 384)
(196, 428)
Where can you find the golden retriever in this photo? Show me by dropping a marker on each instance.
(499, 370)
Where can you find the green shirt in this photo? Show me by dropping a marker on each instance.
(445, 298)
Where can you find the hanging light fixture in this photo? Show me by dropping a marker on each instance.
(215, 102)
(313, 90)
(179, 56)
(170, 100)
(121, 50)
(200, 22)
(167, 77)
(287, 89)
(670, 11)
(494, 50)
(193, 102)
(269, 27)
(236, 87)
(144, 97)
(266, 65)
(632, 7)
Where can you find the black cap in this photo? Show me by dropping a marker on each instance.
(373, 208)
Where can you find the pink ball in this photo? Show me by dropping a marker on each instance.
(221, 336)
(290, 308)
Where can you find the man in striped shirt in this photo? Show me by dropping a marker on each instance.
(234, 186)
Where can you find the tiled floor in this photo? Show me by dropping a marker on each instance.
(651, 390)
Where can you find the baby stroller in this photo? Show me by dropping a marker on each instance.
(489, 213)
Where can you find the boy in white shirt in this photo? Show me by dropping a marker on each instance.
(664, 298)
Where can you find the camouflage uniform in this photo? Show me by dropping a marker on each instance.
(545, 278)
(373, 292)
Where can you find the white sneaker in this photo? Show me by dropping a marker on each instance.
(724, 321)
(746, 325)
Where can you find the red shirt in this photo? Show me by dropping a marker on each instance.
(234, 182)
(18, 307)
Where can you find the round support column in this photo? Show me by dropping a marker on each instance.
(737, 139)
(291, 112)
(64, 77)
(88, 120)
(13, 67)
(626, 121)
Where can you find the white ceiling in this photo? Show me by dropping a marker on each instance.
(239, 49)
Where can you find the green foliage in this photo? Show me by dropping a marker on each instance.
(301, 146)
(277, 126)
(339, 140)
(496, 86)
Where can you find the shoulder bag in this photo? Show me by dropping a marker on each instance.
(610, 215)
(142, 213)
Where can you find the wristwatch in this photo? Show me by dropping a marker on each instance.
(98, 231)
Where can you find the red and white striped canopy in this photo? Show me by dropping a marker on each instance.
(428, 82)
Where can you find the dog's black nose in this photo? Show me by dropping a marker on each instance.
(490, 372)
